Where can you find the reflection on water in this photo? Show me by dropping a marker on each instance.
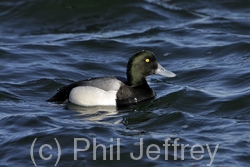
(95, 113)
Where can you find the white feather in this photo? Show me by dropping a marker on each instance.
(92, 96)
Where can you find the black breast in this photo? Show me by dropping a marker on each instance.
(128, 95)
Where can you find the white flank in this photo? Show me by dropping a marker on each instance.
(92, 96)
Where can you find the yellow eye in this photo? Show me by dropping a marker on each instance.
(147, 60)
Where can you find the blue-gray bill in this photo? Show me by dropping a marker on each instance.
(162, 71)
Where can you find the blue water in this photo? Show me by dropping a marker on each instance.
(205, 110)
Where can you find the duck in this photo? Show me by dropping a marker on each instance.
(113, 90)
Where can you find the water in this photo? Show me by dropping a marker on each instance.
(47, 44)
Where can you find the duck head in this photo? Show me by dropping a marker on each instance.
(143, 64)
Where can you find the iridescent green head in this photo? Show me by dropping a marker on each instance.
(143, 64)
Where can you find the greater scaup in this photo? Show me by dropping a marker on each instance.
(115, 91)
